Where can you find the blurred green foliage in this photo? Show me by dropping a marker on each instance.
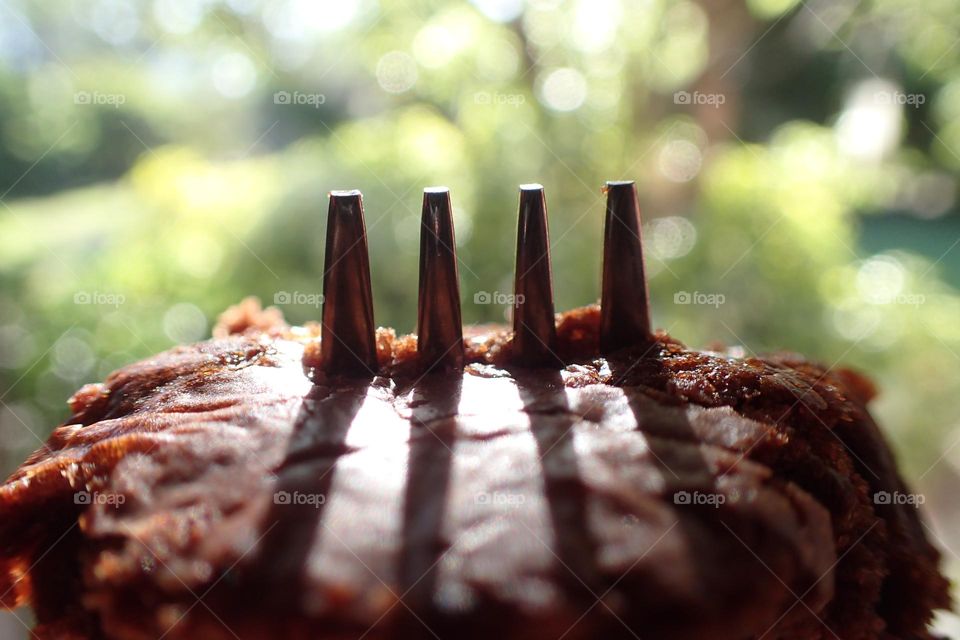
(162, 160)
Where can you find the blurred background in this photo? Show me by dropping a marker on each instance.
(797, 164)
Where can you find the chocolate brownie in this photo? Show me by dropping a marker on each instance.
(577, 476)
(232, 489)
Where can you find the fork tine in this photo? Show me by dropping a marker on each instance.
(534, 328)
(624, 303)
(439, 323)
(347, 339)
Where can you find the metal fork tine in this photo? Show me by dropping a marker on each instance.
(534, 328)
(439, 324)
(348, 335)
(624, 303)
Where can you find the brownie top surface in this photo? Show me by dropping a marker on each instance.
(658, 488)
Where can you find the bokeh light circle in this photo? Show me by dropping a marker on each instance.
(396, 72)
(563, 89)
